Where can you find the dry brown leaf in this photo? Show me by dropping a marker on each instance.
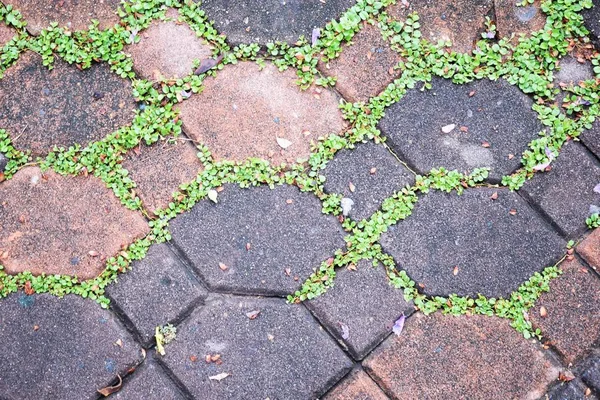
(494, 196)
(107, 391)
(253, 314)
(223, 267)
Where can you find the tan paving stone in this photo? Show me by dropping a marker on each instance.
(6, 34)
(244, 110)
(513, 19)
(572, 311)
(459, 21)
(74, 14)
(475, 357)
(363, 69)
(356, 386)
(62, 225)
(167, 49)
(158, 170)
(589, 249)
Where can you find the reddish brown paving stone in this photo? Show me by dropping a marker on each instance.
(356, 386)
(447, 357)
(459, 21)
(167, 49)
(6, 34)
(41, 108)
(53, 224)
(513, 19)
(74, 14)
(158, 170)
(243, 111)
(589, 249)
(572, 322)
(363, 68)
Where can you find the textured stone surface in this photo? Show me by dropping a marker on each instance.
(572, 71)
(363, 69)
(370, 187)
(6, 34)
(494, 251)
(566, 192)
(3, 163)
(41, 108)
(242, 112)
(149, 382)
(592, 22)
(158, 170)
(518, 20)
(591, 372)
(356, 386)
(589, 249)
(363, 303)
(282, 351)
(459, 21)
(572, 390)
(591, 138)
(269, 239)
(167, 49)
(441, 357)
(248, 21)
(62, 225)
(572, 323)
(495, 114)
(60, 348)
(73, 14)
(157, 290)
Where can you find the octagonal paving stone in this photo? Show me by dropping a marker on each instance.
(243, 111)
(73, 14)
(41, 108)
(374, 173)
(460, 22)
(591, 19)
(572, 320)
(445, 357)
(269, 240)
(282, 353)
(362, 305)
(168, 50)
(365, 67)
(249, 21)
(60, 348)
(158, 170)
(496, 119)
(566, 192)
(493, 250)
(62, 225)
(159, 289)
(512, 18)
(356, 386)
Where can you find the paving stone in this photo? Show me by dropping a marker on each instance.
(572, 71)
(572, 324)
(158, 170)
(370, 188)
(591, 138)
(459, 21)
(285, 231)
(64, 106)
(73, 14)
(3, 163)
(514, 19)
(591, 372)
(493, 250)
(242, 112)
(248, 21)
(356, 386)
(447, 357)
(6, 34)
(572, 390)
(495, 109)
(589, 249)
(157, 290)
(60, 348)
(363, 68)
(283, 352)
(148, 382)
(591, 19)
(566, 192)
(363, 303)
(167, 49)
(62, 225)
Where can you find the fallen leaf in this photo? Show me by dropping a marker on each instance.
(219, 377)
(253, 314)
(373, 170)
(566, 376)
(513, 211)
(283, 143)
(455, 271)
(448, 128)
(119, 343)
(207, 64)
(223, 267)
(346, 204)
(511, 156)
(288, 271)
(345, 331)
(212, 195)
(351, 267)
(159, 337)
(494, 196)
(28, 289)
(193, 358)
(543, 311)
(485, 144)
(36, 327)
(351, 187)
(472, 93)
(399, 325)
(107, 391)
